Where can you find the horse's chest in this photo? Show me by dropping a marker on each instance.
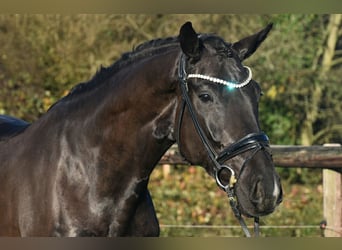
(89, 198)
(81, 211)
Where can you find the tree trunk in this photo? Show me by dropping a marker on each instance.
(332, 38)
(313, 105)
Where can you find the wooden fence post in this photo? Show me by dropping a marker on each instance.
(332, 202)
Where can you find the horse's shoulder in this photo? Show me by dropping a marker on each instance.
(11, 126)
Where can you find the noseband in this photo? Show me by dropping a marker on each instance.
(255, 141)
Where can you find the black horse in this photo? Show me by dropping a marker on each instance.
(82, 169)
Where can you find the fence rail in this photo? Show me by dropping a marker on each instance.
(327, 157)
(330, 230)
(285, 156)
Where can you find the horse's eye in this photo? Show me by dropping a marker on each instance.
(205, 97)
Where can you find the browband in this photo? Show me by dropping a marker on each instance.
(224, 82)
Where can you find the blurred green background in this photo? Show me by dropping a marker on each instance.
(299, 67)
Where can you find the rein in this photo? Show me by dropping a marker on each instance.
(254, 141)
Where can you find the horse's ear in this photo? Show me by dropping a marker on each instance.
(189, 41)
(248, 45)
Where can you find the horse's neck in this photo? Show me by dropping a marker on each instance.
(107, 141)
(122, 125)
(129, 128)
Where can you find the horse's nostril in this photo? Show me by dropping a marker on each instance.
(280, 197)
(257, 193)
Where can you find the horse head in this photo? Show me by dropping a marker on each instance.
(217, 118)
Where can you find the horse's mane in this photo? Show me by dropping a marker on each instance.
(143, 50)
(146, 49)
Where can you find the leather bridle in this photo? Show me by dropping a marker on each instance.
(254, 141)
